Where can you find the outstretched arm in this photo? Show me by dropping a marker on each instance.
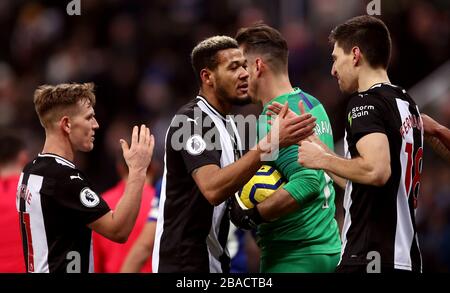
(117, 225)
(341, 182)
(275, 108)
(372, 167)
(437, 136)
(217, 184)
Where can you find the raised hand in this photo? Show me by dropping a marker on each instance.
(139, 155)
(274, 109)
(291, 127)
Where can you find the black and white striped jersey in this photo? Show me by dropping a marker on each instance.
(382, 219)
(55, 204)
(191, 234)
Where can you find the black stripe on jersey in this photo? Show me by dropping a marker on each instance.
(224, 259)
(22, 208)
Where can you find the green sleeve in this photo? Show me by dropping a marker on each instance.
(303, 184)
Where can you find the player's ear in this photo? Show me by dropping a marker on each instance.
(207, 77)
(259, 64)
(64, 124)
(356, 52)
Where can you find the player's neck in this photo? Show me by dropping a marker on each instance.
(58, 146)
(275, 86)
(368, 77)
(223, 107)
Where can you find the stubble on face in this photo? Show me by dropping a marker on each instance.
(229, 80)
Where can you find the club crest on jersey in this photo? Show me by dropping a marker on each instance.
(195, 145)
(89, 198)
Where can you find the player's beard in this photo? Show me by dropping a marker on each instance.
(232, 99)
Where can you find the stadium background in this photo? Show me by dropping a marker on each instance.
(137, 54)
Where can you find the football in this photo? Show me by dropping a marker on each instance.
(266, 180)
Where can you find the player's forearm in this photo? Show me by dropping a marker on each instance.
(141, 251)
(443, 134)
(127, 209)
(277, 205)
(341, 182)
(226, 181)
(357, 170)
(136, 259)
(438, 146)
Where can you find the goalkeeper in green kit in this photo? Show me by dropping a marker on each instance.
(297, 231)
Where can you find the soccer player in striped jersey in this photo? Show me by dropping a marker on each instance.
(206, 166)
(383, 154)
(56, 203)
(300, 233)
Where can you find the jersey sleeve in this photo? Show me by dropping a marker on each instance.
(74, 194)
(365, 116)
(153, 212)
(193, 135)
(303, 184)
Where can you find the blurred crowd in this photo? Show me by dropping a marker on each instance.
(137, 53)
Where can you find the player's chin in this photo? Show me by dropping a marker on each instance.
(88, 147)
(242, 100)
(344, 89)
(241, 97)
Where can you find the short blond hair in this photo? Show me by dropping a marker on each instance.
(49, 100)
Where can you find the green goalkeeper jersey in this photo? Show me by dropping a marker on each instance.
(312, 229)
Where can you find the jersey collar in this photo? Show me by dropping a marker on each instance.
(296, 91)
(211, 107)
(58, 159)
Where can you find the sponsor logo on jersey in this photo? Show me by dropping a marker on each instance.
(75, 177)
(359, 111)
(195, 145)
(193, 120)
(89, 198)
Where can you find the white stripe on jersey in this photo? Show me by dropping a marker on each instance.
(160, 221)
(404, 233)
(37, 227)
(215, 250)
(347, 202)
(91, 256)
(18, 192)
